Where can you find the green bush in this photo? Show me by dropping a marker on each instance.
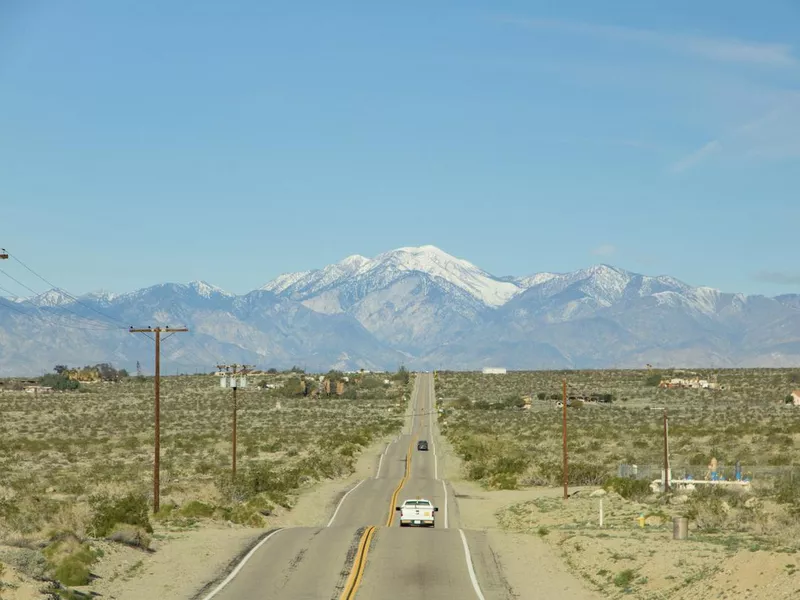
(631, 489)
(58, 382)
(195, 508)
(132, 509)
(652, 379)
(72, 571)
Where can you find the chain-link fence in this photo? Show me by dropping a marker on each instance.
(724, 472)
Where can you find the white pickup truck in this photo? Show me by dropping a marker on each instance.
(417, 512)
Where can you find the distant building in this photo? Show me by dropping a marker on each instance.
(38, 389)
(494, 371)
(693, 383)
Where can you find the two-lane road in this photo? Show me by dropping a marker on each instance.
(362, 551)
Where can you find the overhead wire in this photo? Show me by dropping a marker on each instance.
(47, 318)
(105, 326)
(66, 293)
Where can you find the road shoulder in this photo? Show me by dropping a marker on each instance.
(183, 562)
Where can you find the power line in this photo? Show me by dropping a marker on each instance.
(46, 318)
(66, 293)
(106, 326)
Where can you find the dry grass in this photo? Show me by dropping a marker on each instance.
(748, 422)
(81, 462)
(754, 531)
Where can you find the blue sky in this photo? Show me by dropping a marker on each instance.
(233, 141)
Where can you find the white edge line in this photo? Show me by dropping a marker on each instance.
(336, 512)
(446, 522)
(380, 462)
(238, 568)
(468, 556)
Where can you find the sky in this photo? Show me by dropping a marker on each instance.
(233, 141)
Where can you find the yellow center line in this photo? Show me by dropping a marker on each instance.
(393, 502)
(360, 560)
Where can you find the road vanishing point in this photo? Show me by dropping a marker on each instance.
(362, 552)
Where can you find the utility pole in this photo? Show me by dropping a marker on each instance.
(666, 454)
(234, 378)
(564, 420)
(157, 451)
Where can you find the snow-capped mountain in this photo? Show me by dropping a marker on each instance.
(408, 297)
(417, 306)
(361, 273)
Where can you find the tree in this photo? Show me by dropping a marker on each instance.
(652, 379)
(58, 382)
(402, 375)
(60, 369)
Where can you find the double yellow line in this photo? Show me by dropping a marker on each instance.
(359, 563)
(360, 560)
(393, 503)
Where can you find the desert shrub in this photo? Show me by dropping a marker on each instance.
(503, 481)
(713, 507)
(787, 491)
(130, 535)
(58, 382)
(132, 509)
(631, 489)
(652, 379)
(26, 560)
(196, 508)
(70, 560)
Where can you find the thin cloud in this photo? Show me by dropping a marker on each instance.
(697, 156)
(604, 250)
(778, 277)
(709, 48)
(773, 135)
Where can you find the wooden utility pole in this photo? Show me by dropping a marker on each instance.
(564, 429)
(666, 455)
(234, 378)
(157, 451)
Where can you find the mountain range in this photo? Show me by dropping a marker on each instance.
(415, 306)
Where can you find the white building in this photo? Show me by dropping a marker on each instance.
(494, 371)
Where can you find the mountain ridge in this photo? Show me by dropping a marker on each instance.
(417, 306)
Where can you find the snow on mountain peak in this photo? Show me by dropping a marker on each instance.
(206, 289)
(456, 271)
(354, 262)
(52, 297)
(100, 296)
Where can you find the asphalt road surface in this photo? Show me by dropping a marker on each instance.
(363, 552)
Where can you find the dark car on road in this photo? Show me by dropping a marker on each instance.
(422, 445)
